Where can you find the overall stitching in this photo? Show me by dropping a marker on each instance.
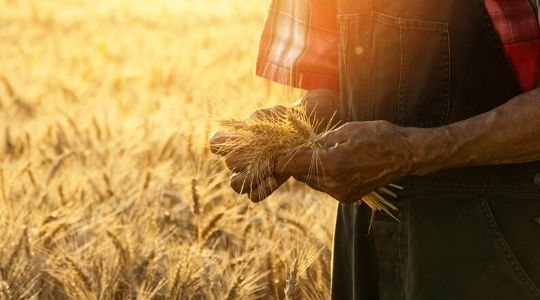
(497, 43)
(401, 233)
(508, 254)
(403, 79)
(407, 26)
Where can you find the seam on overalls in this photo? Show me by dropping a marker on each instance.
(510, 258)
(400, 254)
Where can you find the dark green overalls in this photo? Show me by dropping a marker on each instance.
(468, 233)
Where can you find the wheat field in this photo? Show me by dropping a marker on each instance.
(107, 187)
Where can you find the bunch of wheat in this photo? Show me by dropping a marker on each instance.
(260, 141)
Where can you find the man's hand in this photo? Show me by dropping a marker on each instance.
(236, 163)
(235, 159)
(360, 157)
(372, 154)
(321, 105)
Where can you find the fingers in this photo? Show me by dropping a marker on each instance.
(256, 191)
(242, 183)
(297, 163)
(316, 182)
(266, 188)
(220, 141)
(236, 161)
(306, 162)
(268, 113)
(336, 137)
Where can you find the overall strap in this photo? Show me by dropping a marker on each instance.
(536, 9)
(534, 5)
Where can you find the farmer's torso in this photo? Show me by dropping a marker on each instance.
(466, 233)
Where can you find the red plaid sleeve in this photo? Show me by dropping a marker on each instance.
(516, 23)
(299, 44)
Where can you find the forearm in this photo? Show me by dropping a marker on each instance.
(507, 134)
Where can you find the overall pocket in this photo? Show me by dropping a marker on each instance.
(395, 69)
(454, 249)
(510, 218)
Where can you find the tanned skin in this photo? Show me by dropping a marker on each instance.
(372, 154)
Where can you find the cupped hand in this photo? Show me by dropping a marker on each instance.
(235, 161)
(235, 158)
(359, 158)
(321, 105)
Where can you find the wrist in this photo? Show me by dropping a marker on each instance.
(430, 150)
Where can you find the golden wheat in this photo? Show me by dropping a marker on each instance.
(262, 141)
(105, 176)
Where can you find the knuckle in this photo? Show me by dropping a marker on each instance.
(383, 124)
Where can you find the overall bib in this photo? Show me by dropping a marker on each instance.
(466, 233)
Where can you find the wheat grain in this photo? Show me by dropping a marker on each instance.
(196, 203)
(84, 278)
(263, 141)
(115, 108)
(209, 229)
(2, 186)
(5, 291)
(122, 252)
(232, 292)
(147, 179)
(57, 165)
(292, 281)
(272, 280)
(31, 177)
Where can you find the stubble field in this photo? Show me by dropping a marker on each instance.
(107, 187)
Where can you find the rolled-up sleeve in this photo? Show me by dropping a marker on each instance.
(299, 44)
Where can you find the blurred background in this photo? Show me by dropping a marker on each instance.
(107, 187)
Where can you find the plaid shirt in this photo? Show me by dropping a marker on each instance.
(299, 43)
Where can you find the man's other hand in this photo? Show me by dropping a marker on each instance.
(360, 157)
(321, 105)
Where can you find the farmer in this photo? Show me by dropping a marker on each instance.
(440, 97)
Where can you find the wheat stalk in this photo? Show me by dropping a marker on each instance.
(196, 208)
(84, 278)
(262, 141)
(292, 281)
(209, 229)
(123, 253)
(2, 186)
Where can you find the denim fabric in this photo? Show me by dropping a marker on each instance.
(466, 233)
(456, 239)
(420, 63)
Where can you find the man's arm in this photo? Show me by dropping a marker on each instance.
(363, 156)
(509, 133)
